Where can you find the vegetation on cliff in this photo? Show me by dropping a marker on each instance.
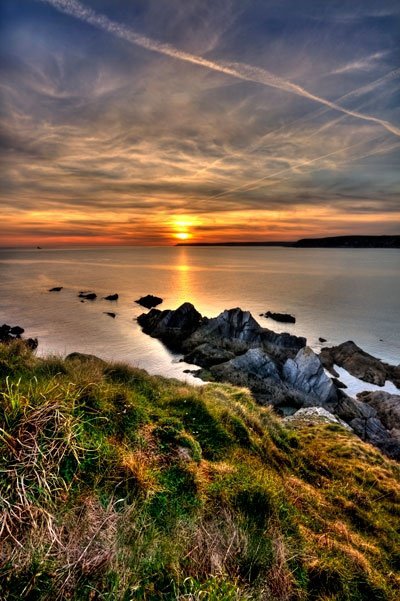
(117, 485)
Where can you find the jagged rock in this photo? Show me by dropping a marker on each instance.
(149, 301)
(281, 317)
(348, 408)
(238, 330)
(306, 373)
(386, 406)
(231, 324)
(317, 414)
(172, 327)
(207, 355)
(87, 295)
(255, 370)
(359, 364)
(255, 362)
(56, 289)
(111, 297)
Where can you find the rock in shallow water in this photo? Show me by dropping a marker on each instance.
(149, 301)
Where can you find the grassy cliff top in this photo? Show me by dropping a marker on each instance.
(116, 485)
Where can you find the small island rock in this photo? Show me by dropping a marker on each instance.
(281, 317)
(149, 301)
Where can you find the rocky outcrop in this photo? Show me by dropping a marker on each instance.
(206, 355)
(149, 301)
(387, 407)
(230, 325)
(306, 373)
(111, 297)
(254, 369)
(359, 364)
(237, 330)
(282, 317)
(171, 327)
(278, 368)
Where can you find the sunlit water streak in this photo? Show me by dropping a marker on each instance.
(334, 293)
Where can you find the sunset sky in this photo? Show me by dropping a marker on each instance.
(157, 121)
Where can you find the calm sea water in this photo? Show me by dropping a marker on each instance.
(334, 293)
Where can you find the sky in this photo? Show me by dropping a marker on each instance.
(153, 122)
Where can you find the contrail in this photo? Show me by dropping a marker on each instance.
(258, 183)
(238, 70)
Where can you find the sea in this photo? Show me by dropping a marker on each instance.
(336, 294)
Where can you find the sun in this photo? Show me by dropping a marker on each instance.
(183, 235)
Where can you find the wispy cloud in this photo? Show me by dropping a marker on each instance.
(238, 70)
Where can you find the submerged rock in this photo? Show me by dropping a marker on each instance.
(306, 373)
(149, 301)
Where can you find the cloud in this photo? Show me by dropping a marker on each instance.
(238, 70)
(362, 64)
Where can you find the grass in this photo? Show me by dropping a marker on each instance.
(116, 485)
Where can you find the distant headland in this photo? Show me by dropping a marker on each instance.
(330, 242)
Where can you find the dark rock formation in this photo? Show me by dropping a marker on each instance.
(87, 295)
(56, 289)
(111, 297)
(359, 364)
(237, 330)
(207, 355)
(322, 339)
(10, 333)
(306, 373)
(110, 314)
(172, 327)
(17, 331)
(149, 301)
(282, 317)
(386, 406)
